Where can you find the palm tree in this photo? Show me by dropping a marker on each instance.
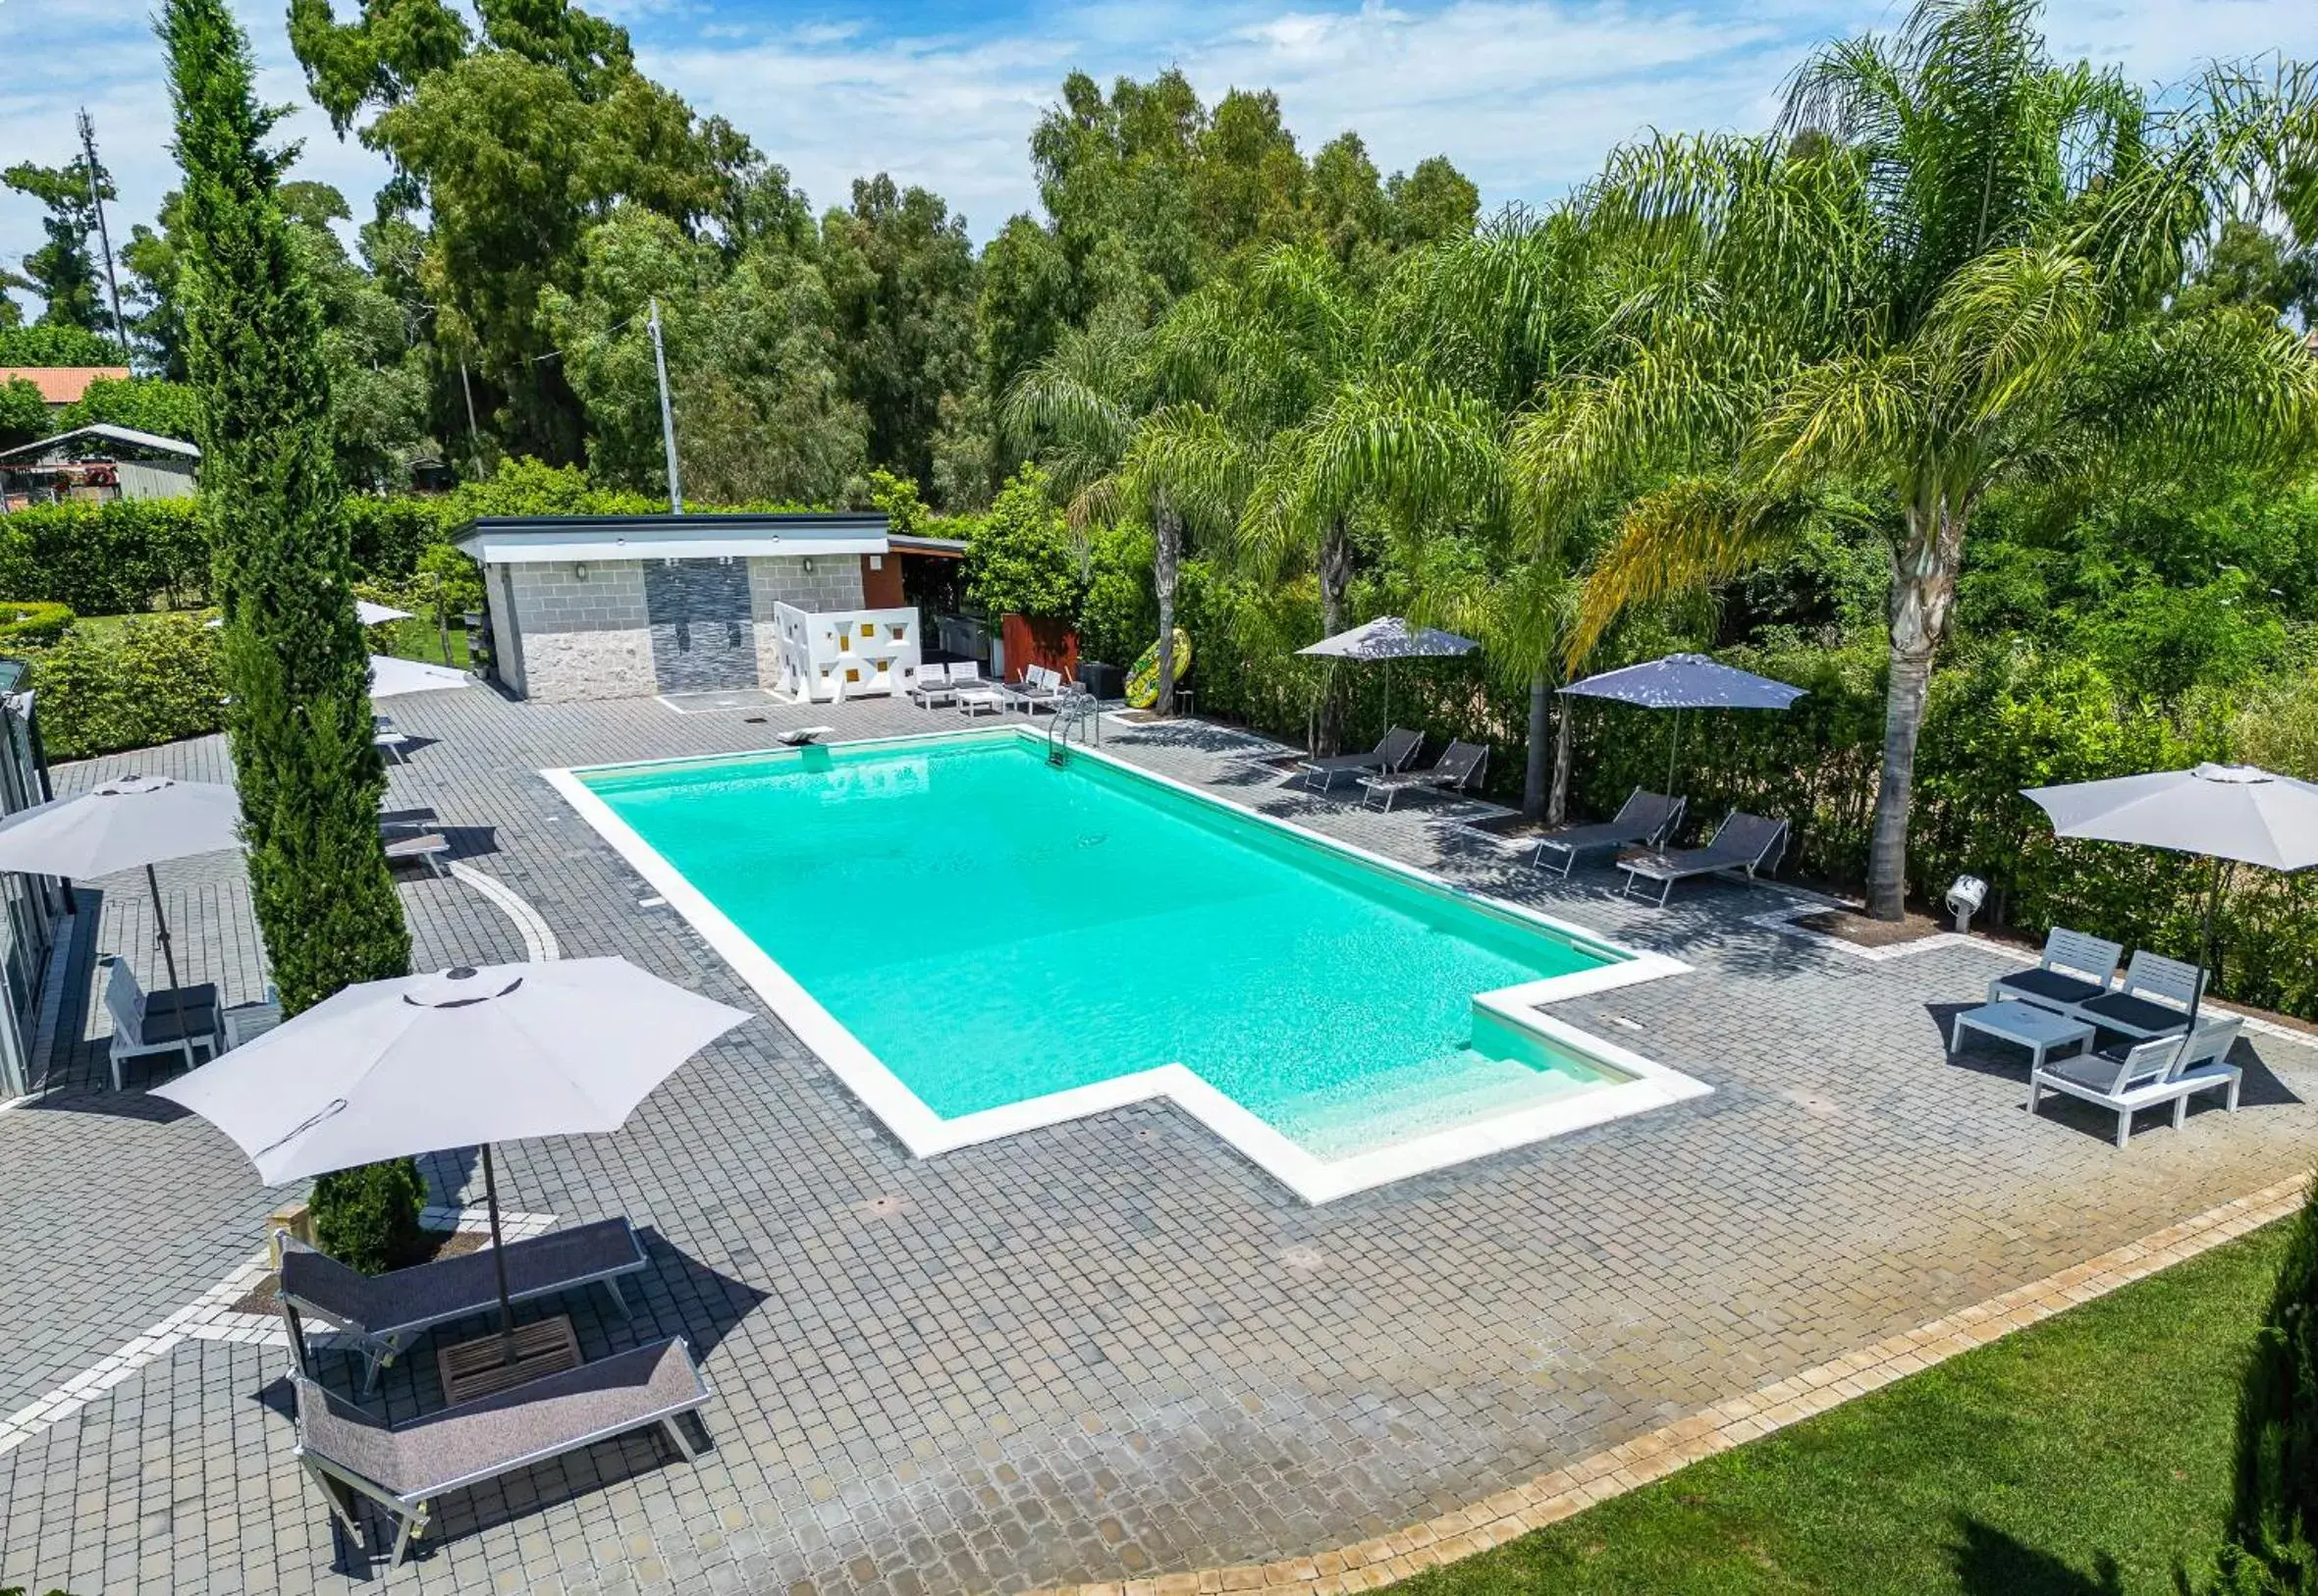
(1943, 271)
(1082, 409)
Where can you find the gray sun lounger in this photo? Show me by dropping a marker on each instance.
(1458, 769)
(404, 1468)
(1644, 821)
(1392, 752)
(386, 1313)
(1742, 842)
(406, 843)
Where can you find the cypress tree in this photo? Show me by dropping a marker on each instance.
(2275, 1515)
(291, 653)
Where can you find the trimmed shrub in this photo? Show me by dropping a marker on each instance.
(153, 680)
(368, 1217)
(120, 558)
(32, 625)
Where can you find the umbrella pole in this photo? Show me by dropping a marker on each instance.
(177, 994)
(1673, 741)
(506, 1307)
(2213, 896)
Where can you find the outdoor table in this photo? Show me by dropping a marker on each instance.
(2038, 1030)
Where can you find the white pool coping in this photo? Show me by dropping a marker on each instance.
(1315, 1179)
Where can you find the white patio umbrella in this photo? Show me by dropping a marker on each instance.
(2231, 814)
(127, 822)
(368, 614)
(465, 1057)
(1389, 638)
(1687, 681)
(391, 677)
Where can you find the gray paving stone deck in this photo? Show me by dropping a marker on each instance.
(1098, 1351)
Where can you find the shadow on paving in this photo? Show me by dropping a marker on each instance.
(1990, 1563)
(676, 1296)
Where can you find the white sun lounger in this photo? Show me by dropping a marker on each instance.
(146, 1023)
(404, 1468)
(2147, 1073)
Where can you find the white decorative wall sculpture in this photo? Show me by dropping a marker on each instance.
(829, 656)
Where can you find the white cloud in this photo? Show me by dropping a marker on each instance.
(1525, 96)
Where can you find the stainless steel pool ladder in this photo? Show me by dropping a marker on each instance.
(1074, 709)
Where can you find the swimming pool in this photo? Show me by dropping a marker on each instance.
(1111, 935)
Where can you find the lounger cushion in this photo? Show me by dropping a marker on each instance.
(476, 1440)
(161, 1022)
(1602, 834)
(2050, 985)
(2133, 1013)
(451, 1288)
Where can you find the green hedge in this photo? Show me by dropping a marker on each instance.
(120, 558)
(153, 680)
(32, 625)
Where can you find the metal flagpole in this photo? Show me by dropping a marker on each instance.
(104, 238)
(668, 420)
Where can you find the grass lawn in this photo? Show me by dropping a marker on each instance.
(405, 639)
(2081, 1456)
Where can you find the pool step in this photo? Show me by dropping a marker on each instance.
(1416, 1100)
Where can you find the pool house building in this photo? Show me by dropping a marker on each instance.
(809, 604)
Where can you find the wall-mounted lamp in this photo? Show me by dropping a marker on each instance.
(580, 571)
(808, 567)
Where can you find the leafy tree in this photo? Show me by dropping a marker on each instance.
(1020, 559)
(63, 271)
(45, 343)
(759, 410)
(900, 276)
(147, 404)
(515, 144)
(1920, 282)
(299, 715)
(24, 413)
(157, 321)
(2252, 267)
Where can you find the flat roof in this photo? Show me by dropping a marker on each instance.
(910, 543)
(520, 540)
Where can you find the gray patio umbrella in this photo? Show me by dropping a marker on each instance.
(1687, 681)
(2231, 814)
(1389, 638)
(465, 1057)
(127, 822)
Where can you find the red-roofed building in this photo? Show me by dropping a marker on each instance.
(60, 386)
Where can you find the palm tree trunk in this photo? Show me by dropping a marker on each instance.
(1532, 781)
(1336, 582)
(1923, 586)
(1166, 560)
(1558, 802)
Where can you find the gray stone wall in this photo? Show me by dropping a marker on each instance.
(833, 583)
(583, 638)
(703, 636)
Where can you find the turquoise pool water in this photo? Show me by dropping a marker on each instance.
(1099, 924)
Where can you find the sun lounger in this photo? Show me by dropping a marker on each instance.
(386, 1313)
(2152, 1001)
(1644, 821)
(2147, 1073)
(349, 1452)
(1743, 842)
(1392, 752)
(1038, 686)
(411, 844)
(1458, 769)
(162, 1021)
(2073, 968)
(933, 687)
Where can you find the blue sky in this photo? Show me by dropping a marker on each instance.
(1525, 96)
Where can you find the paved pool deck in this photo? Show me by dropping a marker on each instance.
(1104, 1351)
